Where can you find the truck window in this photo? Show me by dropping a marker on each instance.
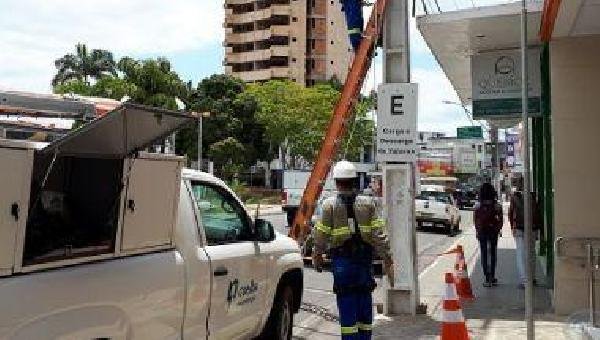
(223, 218)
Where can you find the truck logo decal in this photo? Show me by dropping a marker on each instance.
(241, 294)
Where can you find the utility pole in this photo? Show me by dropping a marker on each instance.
(399, 178)
(199, 166)
(526, 185)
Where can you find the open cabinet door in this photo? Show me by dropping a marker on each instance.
(15, 166)
(151, 203)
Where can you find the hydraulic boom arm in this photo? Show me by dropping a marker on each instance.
(342, 115)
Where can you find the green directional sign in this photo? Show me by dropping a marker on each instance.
(469, 132)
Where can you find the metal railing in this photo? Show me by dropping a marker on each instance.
(586, 250)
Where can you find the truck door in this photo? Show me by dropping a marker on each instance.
(15, 170)
(237, 264)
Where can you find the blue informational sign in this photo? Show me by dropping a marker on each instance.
(511, 141)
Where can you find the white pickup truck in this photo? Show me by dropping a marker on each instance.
(436, 207)
(101, 241)
(294, 183)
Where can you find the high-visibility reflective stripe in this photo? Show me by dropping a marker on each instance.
(354, 31)
(378, 223)
(341, 231)
(364, 326)
(452, 316)
(349, 330)
(365, 228)
(323, 228)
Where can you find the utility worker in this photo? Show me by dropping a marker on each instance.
(350, 231)
(354, 20)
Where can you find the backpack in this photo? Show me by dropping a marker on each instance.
(488, 218)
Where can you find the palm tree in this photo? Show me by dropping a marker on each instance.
(83, 65)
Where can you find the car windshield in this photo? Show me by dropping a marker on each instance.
(438, 196)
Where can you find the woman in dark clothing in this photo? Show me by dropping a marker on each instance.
(488, 219)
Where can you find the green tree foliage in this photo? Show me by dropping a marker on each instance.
(232, 115)
(83, 65)
(296, 117)
(228, 154)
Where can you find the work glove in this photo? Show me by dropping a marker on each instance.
(318, 262)
(388, 265)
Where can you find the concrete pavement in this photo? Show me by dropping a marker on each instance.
(496, 313)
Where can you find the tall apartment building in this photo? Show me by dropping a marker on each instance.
(302, 40)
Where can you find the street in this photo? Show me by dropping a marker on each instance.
(316, 319)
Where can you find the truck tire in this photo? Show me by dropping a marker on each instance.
(280, 322)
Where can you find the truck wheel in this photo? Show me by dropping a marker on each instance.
(279, 324)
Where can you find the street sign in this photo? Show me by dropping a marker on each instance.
(397, 123)
(496, 84)
(469, 132)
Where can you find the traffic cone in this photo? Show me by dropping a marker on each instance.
(463, 283)
(453, 322)
(457, 250)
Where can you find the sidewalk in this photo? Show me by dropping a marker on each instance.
(496, 313)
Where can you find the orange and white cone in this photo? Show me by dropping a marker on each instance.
(463, 283)
(453, 322)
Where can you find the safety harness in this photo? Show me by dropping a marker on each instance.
(354, 247)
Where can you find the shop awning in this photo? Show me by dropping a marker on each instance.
(454, 37)
(127, 129)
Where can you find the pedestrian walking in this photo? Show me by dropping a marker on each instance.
(350, 231)
(516, 213)
(488, 219)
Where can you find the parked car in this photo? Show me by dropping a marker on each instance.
(465, 197)
(101, 241)
(436, 208)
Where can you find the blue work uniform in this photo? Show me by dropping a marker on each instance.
(351, 231)
(354, 21)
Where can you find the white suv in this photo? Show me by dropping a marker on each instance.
(436, 208)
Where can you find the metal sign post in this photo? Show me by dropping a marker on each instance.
(526, 185)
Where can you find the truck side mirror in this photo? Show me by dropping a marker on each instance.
(264, 230)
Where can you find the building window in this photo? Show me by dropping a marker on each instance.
(331, 62)
(293, 39)
(293, 60)
(332, 42)
(332, 23)
(294, 19)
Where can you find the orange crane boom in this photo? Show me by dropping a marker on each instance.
(338, 124)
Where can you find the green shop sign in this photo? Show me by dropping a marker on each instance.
(496, 83)
(469, 132)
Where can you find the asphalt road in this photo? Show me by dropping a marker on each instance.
(318, 299)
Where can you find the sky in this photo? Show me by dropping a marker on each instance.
(34, 33)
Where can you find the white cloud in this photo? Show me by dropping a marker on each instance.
(36, 32)
(434, 114)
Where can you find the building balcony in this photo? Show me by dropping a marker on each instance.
(257, 55)
(258, 15)
(265, 74)
(247, 37)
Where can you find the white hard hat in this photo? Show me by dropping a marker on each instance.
(344, 169)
